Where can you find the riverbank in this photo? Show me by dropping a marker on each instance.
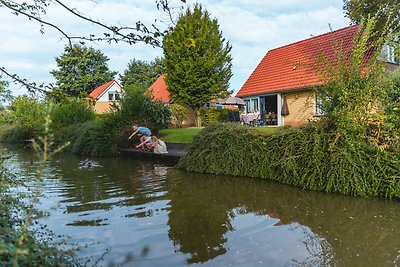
(175, 153)
(305, 157)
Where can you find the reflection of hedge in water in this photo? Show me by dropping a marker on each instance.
(299, 156)
(345, 226)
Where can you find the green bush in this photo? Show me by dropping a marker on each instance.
(309, 157)
(15, 134)
(179, 114)
(6, 117)
(74, 111)
(212, 116)
(138, 108)
(29, 113)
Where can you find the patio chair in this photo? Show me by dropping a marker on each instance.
(268, 119)
(274, 120)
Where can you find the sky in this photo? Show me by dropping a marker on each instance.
(251, 27)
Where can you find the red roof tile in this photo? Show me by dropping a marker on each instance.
(289, 67)
(159, 90)
(98, 91)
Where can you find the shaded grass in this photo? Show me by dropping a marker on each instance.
(179, 135)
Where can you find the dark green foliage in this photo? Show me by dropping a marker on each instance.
(108, 133)
(68, 113)
(393, 94)
(359, 10)
(15, 134)
(101, 137)
(197, 59)
(179, 114)
(141, 109)
(142, 73)
(80, 70)
(212, 116)
(302, 157)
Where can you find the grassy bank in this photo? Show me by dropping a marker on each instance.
(186, 135)
(304, 157)
(179, 135)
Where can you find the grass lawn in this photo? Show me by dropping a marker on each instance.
(185, 135)
(179, 135)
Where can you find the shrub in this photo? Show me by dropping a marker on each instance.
(29, 113)
(179, 114)
(6, 117)
(303, 157)
(15, 134)
(212, 116)
(74, 111)
(137, 108)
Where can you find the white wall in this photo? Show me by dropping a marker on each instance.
(113, 88)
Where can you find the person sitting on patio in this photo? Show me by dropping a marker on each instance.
(159, 146)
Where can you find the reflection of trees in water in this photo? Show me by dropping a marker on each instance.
(198, 221)
(342, 229)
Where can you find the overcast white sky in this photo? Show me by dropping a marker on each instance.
(251, 27)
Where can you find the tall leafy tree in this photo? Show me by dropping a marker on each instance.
(80, 70)
(142, 72)
(197, 60)
(384, 10)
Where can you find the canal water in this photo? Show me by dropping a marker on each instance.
(137, 213)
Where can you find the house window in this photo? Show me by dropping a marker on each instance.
(247, 104)
(110, 96)
(117, 97)
(254, 104)
(390, 54)
(318, 105)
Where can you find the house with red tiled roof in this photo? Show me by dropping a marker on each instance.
(282, 82)
(159, 90)
(106, 95)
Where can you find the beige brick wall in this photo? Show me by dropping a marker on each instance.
(301, 108)
(102, 107)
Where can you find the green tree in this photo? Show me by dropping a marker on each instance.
(357, 10)
(5, 93)
(142, 73)
(80, 70)
(197, 60)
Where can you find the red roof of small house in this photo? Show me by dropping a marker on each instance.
(289, 67)
(98, 91)
(159, 90)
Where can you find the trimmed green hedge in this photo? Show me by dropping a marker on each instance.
(303, 157)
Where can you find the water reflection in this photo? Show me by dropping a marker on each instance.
(182, 218)
(333, 229)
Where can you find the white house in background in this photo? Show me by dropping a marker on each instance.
(105, 95)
